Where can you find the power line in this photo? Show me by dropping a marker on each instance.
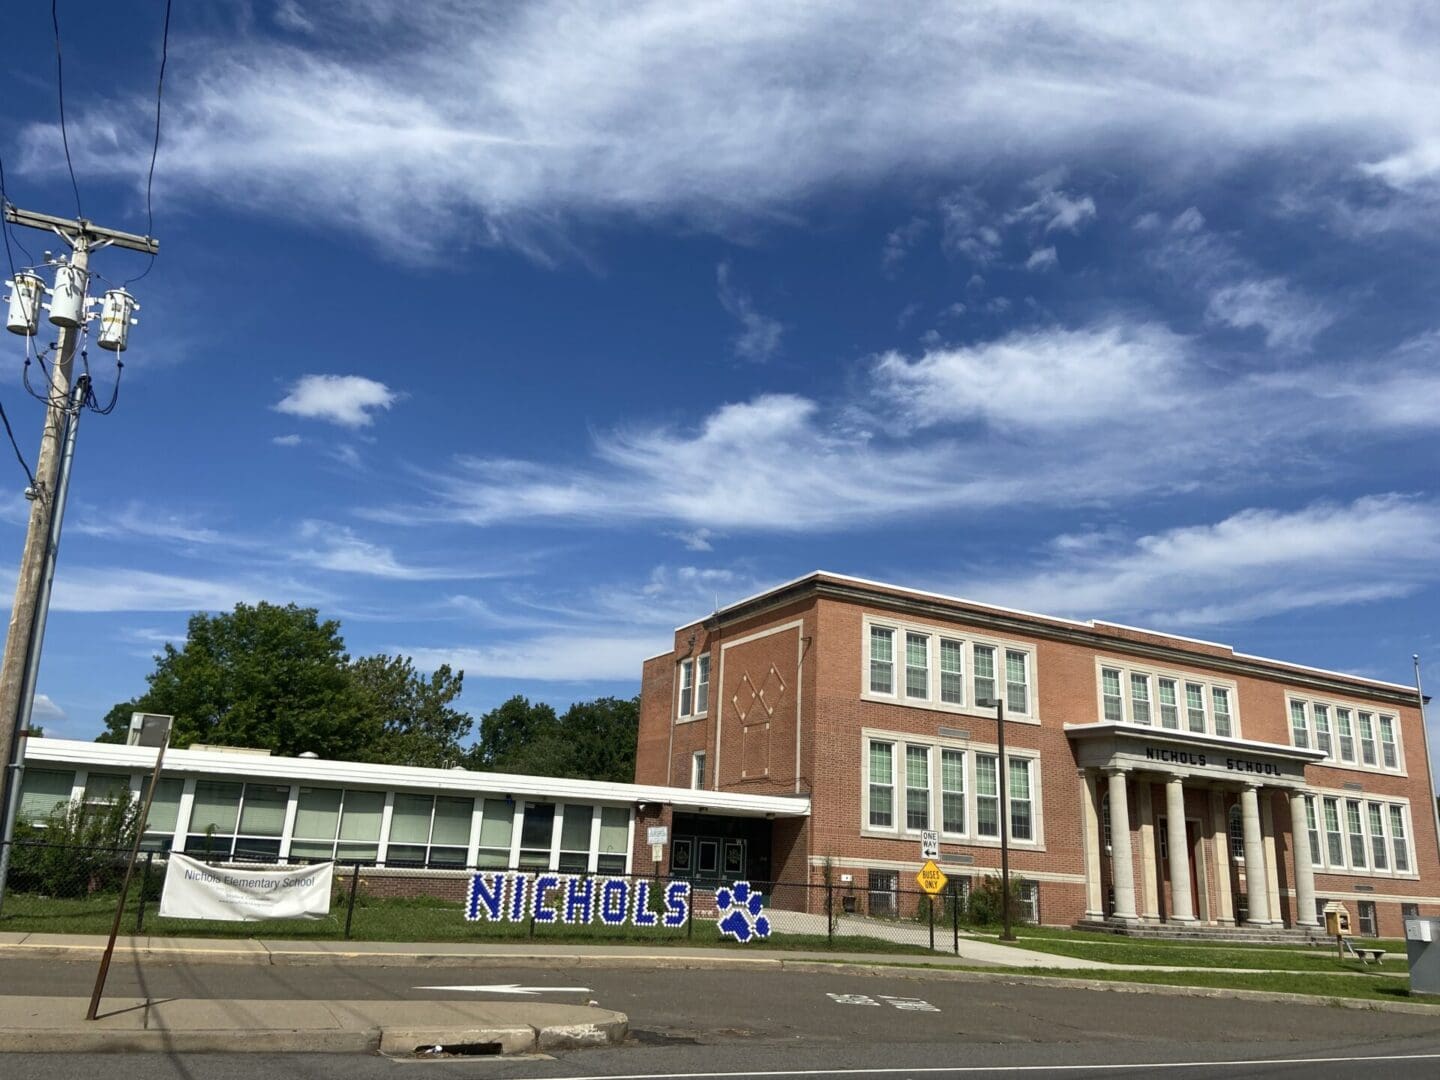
(29, 476)
(155, 149)
(60, 88)
(5, 223)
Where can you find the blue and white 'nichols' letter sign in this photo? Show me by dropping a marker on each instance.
(507, 896)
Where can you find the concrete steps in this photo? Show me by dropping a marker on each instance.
(1250, 935)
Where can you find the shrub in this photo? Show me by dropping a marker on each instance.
(78, 851)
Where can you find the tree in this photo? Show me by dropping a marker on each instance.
(264, 676)
(413, 721)
(516, 737)
(593, 740)
(601, 736)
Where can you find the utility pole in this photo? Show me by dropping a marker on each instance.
(71, 294)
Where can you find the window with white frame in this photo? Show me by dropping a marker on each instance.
(697, 769)
(340, 825)
(917, 787)
(239, 821)
(882, 785)
(1237, 834)
(687, 687)
(1356, 832)
(1334, 841)
(1144, 696)
(1362, 836)
(702, 685)
(694, 686)
(1347, 736)
(1312, 824)
(1022, 823)
(42, 792)
(1379, 857)
(987, 796)
(952, 791)
(1397, 838)
(428, 830)
(946, 671)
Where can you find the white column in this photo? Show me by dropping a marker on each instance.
(1093, 833)
(1256, 891)
(1304, 867)
(1182, 906)
(1122, 868)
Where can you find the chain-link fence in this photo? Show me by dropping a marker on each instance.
(63, 888)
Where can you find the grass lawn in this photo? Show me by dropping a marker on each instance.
(1056, 933)
(421, 919)
(1189, 954)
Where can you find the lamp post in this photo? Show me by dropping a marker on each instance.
(1001, 768)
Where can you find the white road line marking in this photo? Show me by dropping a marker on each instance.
(958, 1070)
(511, 988)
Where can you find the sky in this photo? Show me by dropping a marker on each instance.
(515, 335)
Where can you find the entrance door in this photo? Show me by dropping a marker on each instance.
(1162, 867)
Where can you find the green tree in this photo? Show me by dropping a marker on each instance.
(262, 676)
(410, 714)
(516, 736)
(593, 740)
(601, 735)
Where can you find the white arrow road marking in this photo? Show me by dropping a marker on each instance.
(511, 988)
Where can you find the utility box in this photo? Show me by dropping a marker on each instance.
(1422, 949)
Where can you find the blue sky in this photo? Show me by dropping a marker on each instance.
(515, 335)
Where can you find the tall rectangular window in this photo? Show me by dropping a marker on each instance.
(702, 684)
(1299, 729)
(614, 839)
(360, 818)
(1322, 727)
(1169, 705)
(1356, 831)
(1195, 707)
(1347, 740)
(1367, 737)
(882, 660)
(575, 838)
(917, 787)
(1022, 824)
(697, 770)
(1317, 856)
(1114, 704)
(1140, 698)
(987, 796)
(409, 829)
(687, 687)
(1388, 752)
(450, 834)
(497, 823)
(882, 785)
(917, 666)
(1378, 856)
(984, 673)
(537, 830)
(1017, 681)
(952, 791)
(1334, 841)
(43, 791)
(952, 672)
(1397, 838)
(1220, 705)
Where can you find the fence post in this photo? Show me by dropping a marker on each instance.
(144, 884)
(930, 907)
(350, 910)
(955, 915)
(829, 913)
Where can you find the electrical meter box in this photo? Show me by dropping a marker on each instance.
(1423, 953)
(1337, 920)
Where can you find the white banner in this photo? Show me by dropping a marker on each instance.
(196, 891)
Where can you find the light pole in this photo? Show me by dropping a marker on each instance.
(998, 704)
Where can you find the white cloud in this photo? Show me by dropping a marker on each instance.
(1288, 319)
(92, 589)
(1055, 209)
(289, 15)
(46, 712)
(1042, 259)
(899, 241)
(759, 337)
(1252, 564)
(144, 522)
(967, 228)
(694, 539)
(336, 548)
(602, 658)
(347, 400)
(287, 440)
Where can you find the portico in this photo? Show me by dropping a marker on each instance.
(1179, 827)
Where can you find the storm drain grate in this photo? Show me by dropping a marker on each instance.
(470, 1049)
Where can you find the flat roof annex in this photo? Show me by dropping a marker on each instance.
(228, 764)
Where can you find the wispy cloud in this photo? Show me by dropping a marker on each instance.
(1288, 319)
(759, 337)
(336, 548)
(347, 400)
(115, 588)
(287, 440)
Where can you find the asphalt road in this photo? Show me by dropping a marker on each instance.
(744, 1023)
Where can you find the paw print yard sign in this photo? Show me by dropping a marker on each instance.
(740, 915)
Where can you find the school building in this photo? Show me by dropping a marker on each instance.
(1152, 779)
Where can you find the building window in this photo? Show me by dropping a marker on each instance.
(1220, 699)
(1367, 738)
(537, 831)
(1140, 698)
(987, 796)
(1378, 856)
(497, 825)
(882, 785)
(917, 787)
(1356, 832)
(1317, 856)
(1397, 838)
(1334, 841)
(952, 672)
(697, 769)
(427, 830)
(1105, 820)
(1237, 834)
(1389, 755)
(159, 832)
(1299, 732)
(1409, 911)
(237, 821)
(687, 687)
(1347, 740)
(42, 792)
(882, 660)
(952, 791)
(1113, 705)
(984, 673)
(702, 685)
(884, 887)
(1169, 706)
(917, 666)
(575, 821)
(1018, 792)
(1322, 728)
(614, 840)
(1017, 682)
(1365, 911)
(1028, 895)
(1195, 707)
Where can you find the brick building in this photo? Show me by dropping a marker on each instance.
(1283, 786)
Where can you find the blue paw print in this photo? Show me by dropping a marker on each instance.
(740, 907)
